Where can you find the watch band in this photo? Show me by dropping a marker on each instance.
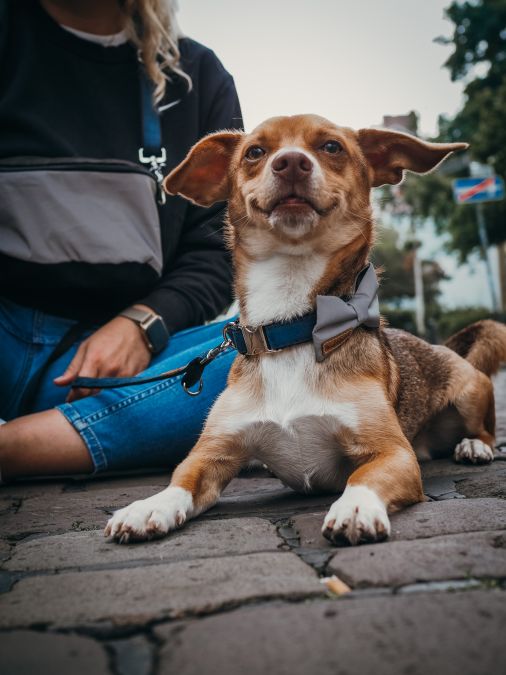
(152, 327)
(140, 316)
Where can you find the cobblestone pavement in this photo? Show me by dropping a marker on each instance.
(239, 591)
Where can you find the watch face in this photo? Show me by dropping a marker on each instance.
(157, 335)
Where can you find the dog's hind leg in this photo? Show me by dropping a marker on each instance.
(195, 486)
(475, 405)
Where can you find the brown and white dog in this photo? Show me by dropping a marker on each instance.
(300, 225)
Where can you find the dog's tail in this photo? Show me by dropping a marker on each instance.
(483, 344)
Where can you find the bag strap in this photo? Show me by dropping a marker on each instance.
(152, 152)
(151, 127)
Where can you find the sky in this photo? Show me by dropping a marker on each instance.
(351, 61)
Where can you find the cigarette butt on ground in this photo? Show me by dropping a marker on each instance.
(335, 585)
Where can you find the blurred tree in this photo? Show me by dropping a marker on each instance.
(397, 280)
(479, 39)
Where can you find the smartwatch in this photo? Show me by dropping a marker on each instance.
(152, 326)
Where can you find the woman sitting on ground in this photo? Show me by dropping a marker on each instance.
(70, 88)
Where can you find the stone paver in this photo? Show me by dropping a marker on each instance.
(266, 497)
(134, 656)
(441, 487)
(429, 519)
(198, 539)
(5, 550)
(445, 481)
(486, 484)
(450, 469)
(139, 595)
(64, 511)
(500, 406)
(27, 652)
(385, 636)
(396, 563)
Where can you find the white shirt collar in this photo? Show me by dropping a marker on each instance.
(104, 40)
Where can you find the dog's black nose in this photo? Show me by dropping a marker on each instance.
(292, 165)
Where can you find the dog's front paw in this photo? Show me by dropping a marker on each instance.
(152, 517)
(473, 450)
(358, 516)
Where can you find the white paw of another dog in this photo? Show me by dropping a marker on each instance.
(151, 517)
(473, 450)
(358, 516)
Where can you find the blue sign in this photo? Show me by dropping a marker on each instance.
(472, 190)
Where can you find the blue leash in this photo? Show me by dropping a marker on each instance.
(192, 373)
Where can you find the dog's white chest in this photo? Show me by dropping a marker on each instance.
(290, 390)
(296, 431)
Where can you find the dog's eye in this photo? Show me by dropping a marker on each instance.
(254, 153)
(332, 147)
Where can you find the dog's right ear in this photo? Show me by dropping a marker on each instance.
(202, 177)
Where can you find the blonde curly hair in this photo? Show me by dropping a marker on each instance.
(151, 25)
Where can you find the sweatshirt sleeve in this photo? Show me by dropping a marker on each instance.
(198, 285)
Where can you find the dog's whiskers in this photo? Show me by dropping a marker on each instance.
(239, 220)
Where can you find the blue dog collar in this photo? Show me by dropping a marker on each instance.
(328, 327)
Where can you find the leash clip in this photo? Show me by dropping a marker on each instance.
(156, 164)
(189, 391)
(196, 367)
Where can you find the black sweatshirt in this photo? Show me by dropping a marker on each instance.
(61, 96)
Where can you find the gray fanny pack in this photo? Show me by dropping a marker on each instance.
(61, 210)
(79, 210)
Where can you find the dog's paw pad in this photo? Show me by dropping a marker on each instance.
(359, 516)
(474, 451)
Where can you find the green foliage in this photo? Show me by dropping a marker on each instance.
(399, 318)
(479, 38)
(397, 279)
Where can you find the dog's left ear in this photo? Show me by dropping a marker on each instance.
(202, 177)
(390, 153)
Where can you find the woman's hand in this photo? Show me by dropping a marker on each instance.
(115, 350)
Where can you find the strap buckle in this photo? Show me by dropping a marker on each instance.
(256, 341)
(254, 338)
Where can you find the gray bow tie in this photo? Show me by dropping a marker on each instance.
(336, 318)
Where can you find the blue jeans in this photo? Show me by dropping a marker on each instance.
(151, 425)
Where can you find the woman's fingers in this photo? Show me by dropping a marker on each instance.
(73, 368)
(76, 394)
(91, 366)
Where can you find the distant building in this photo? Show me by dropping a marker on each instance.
(408, 124)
